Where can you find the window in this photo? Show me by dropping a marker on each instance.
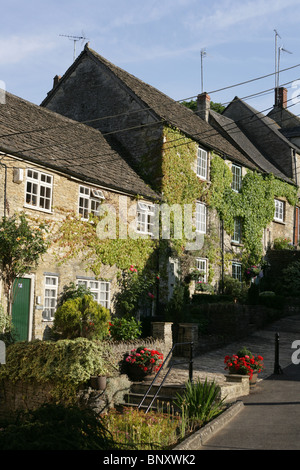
(202, 163)
(236, 177)
(200, 217)
(279, 210)
(38, 190)
(145, 214)
(237, 271)
(201, 264)
(51, 285)
(89, 201)
(99, 289)
(237, 231)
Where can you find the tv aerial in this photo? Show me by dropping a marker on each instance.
(75, 39)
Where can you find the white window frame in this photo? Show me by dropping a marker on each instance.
(237, 271)
(89, 201)
(38, 190)
(50, 296)
(279, 213)
(202, 161)
(201, 215)
(99, 289)
(236, 177)
(237, 231)
(145, 218)
(201, 265)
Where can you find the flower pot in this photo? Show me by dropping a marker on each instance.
(98, 382)
(136, 374)
(253, 380)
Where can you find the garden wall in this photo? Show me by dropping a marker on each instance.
(24, 395)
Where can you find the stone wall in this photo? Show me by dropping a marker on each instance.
(28, 396)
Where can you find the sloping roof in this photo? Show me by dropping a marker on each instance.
(163, 108)
(240, 139)
(265, 134)
(50, 139)
(284, 117)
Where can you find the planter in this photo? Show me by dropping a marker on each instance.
(98, 382)
(253, 380)
(136, 374)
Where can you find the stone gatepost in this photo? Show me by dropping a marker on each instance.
(188, 332)
(163, 332)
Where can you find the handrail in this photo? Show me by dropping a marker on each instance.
(189, 361)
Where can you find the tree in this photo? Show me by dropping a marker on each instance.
(21, 245)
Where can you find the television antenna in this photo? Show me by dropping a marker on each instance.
(74, 39)
(276, 59)
(202, 54)
(279, 51)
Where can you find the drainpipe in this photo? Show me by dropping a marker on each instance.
(5, 186)
(296, 181)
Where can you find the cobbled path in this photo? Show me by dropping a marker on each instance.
(210, 365)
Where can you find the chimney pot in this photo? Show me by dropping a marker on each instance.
(203, 106)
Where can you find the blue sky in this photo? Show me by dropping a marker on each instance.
(159, 41)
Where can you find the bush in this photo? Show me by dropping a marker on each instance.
(123, 329)
(200, 402)
(72, 292)
(56, 427)
(291, 280)
(65, 364)
(82, 317)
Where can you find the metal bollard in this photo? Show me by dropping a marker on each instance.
(277, 368)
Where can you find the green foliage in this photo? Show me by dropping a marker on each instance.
(66, 364)
(72, 292)
(232, 287)
(200, 402)
(290, 283)
(123, 329)
(135, 289)
(21, 246)
(57, 427)
(192, 104)
(254, 204)
(81, 317)
(282, 243)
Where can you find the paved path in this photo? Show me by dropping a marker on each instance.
(270, 417)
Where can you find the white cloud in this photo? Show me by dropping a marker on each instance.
(16, 49)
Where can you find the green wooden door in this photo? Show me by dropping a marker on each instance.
(21, 308)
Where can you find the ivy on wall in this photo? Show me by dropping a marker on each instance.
(254, 204)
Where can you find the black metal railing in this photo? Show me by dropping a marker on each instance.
(187, 361)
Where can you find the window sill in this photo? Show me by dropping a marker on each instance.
(33, 208)
(237, 244)
(281, 222)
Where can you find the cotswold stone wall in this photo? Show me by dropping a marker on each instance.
(29, 396)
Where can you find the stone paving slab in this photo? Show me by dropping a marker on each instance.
(211, 364)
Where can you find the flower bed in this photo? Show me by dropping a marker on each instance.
(244, 363)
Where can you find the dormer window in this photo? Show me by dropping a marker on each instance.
(202, 163)
(89, 201)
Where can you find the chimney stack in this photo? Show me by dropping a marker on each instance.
(56, 80)
(203, 106)
(281, 97)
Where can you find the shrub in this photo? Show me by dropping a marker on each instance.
(72, 292)
(82, 317)
(290, 285)
(200, 402)
(57, 427)
(123, 329)
(65, 364)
